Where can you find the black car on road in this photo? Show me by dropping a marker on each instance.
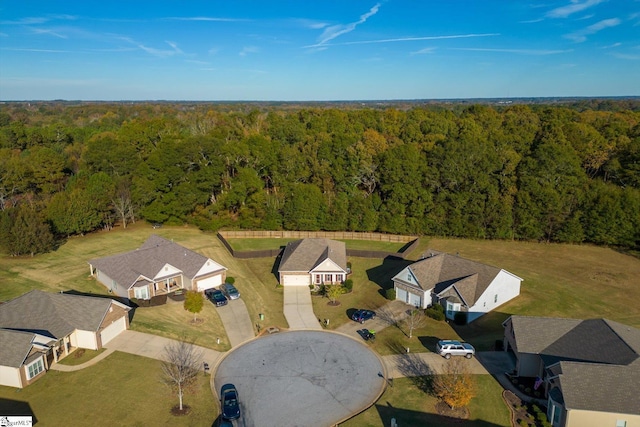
(229, 402)
(363, 315)
(216, 296)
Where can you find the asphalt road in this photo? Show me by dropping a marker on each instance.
(302, 378)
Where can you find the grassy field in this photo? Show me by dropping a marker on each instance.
(265, 243)
(559, 280)
(121, 390)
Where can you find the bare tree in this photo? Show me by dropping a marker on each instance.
(415, 319)
(181, 365)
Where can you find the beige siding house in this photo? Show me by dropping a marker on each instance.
(313, 261)
(590, 368)
(158, 267)
(39, 328)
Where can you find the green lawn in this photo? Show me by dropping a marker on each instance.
(80, 356)
(268, 243)
(410, 405)
(120, 390)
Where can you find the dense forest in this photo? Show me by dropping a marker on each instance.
(558, 173)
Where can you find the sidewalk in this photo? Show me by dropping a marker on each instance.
(71, 368)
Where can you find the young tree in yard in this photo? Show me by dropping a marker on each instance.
(333, 292)
(455, 386)
(193, 303)
(415, 320)
(180, 367)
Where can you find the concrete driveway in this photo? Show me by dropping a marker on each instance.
(152, 346)
(302, 378)
(298, 309)
(236, 321)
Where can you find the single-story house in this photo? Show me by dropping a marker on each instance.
(458, 284)
(590, 368)
(158, 267)
(313, 261)
(39, 328)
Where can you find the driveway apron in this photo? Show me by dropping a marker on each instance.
(386, 316)
(298, 309)
(236, 321)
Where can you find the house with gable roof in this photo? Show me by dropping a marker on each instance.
(39, 328)
(158, 267)
(458, 284)
(313, 261)
(590, 368)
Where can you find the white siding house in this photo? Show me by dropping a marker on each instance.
(458, 284)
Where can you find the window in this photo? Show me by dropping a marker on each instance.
(409, 277)
(621, 423)
(318, 279)
(35, 368)
(328, 278)
(339, 278)
(495, 298)
(142, 292)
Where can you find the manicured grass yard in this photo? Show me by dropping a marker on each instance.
(121, 390)
(410, 405)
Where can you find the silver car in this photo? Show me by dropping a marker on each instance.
(448, 348)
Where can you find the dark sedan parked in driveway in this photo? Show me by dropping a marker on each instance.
(229, 402)
(216, 296)
(363, 315)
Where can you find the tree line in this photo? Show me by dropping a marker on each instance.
(528, 172)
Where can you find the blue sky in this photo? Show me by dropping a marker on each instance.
(317, 50)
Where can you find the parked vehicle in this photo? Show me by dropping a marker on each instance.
(367, 334)
(216, 296)
(448, 348)
(229, 402)
(230, 291)
(363, 315)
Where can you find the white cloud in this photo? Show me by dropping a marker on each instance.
(574, 7)
(536, 52)
(334, 31)
(581, 35)
(205, 19)
(424, 51)
(48, 32)
(247, 50)
(161, 53)
(406, 39)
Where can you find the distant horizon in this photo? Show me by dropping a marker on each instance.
(408, 100)
(282, 51)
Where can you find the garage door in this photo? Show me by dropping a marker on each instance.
(112, 331)
(415, 300)
(296, 280)
(209, 282)
(401, 295)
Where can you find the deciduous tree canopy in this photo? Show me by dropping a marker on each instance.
(567, 173)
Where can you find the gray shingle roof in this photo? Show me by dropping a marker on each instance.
(306, 254)
(148, 260)
(53, 315)
(15, 347)
(442, 271)
(592, 340)
(600, 387)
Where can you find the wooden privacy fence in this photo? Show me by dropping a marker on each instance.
(335, 235)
